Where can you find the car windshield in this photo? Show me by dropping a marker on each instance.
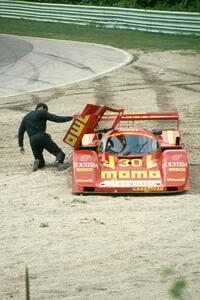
(129, 144)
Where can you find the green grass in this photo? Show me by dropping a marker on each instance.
(125, 39)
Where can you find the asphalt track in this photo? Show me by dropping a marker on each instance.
(33, 64)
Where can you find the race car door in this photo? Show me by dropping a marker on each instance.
(93, 119)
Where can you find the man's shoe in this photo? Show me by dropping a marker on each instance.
(57, 162)
(59, 165)
(60, 157)
(36, 165)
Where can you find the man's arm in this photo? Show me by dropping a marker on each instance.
(21, 136)
(57, 119)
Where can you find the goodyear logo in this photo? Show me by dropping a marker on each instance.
(148, 189)
(76, 130)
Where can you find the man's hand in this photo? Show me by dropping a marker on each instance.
(76, 115)
(22, 150)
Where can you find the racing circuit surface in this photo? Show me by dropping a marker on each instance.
(32, 64)
(110, 246)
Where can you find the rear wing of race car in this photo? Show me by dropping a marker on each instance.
(171, 115)
(149, 116)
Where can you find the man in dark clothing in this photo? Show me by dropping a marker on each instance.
(34, 123)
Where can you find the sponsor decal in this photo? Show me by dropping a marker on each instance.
(86, 165)
(148, 189)
(84, 169)
(176, 179)
(136, 174)
(130, 183)
(76, 130)
(177, 169)
(174, 164)
(130, 174)
(84, 180)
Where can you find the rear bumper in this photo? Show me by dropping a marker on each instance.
(138, 190)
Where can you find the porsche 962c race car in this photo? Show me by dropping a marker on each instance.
(113, 155)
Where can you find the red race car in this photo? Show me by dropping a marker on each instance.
(113, 155)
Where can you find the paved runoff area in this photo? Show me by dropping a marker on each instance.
(32, 64)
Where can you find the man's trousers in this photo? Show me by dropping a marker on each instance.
(40, 141)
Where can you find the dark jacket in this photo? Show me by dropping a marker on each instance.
(35, 122)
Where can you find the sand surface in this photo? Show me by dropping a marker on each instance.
(100, 247)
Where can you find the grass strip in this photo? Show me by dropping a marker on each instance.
(120, 38)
